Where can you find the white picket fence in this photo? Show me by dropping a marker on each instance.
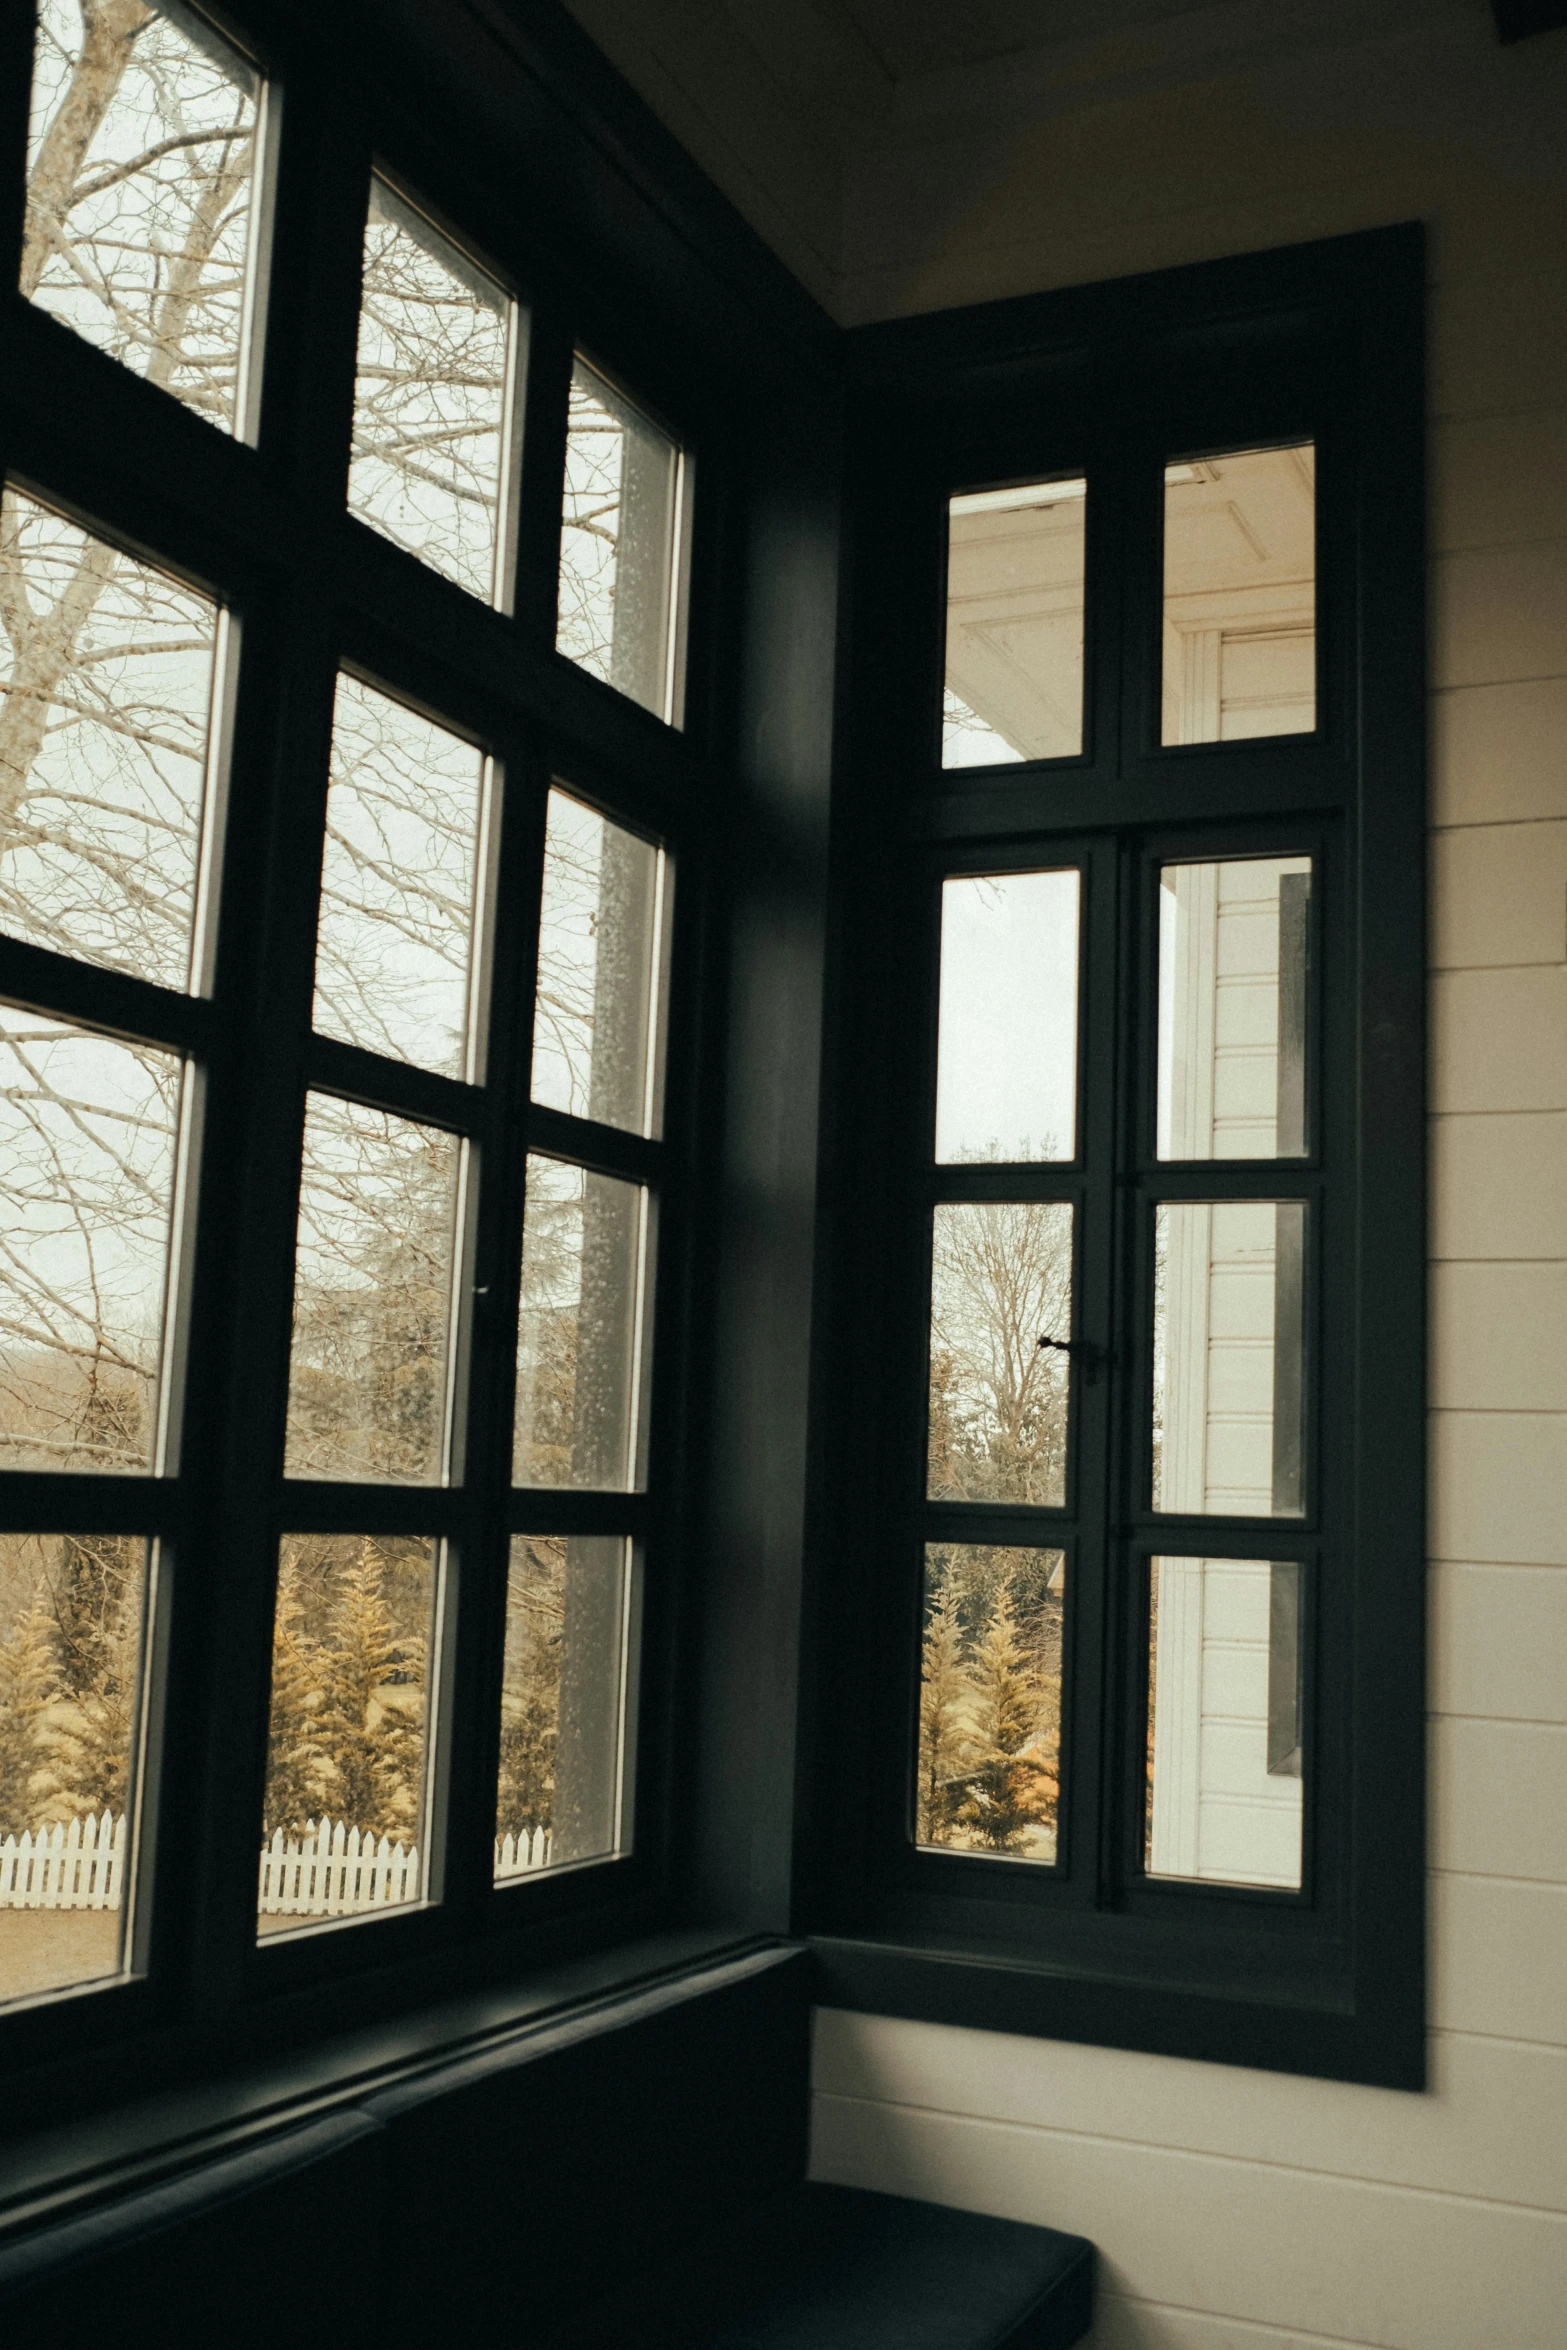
(331, 1871)
(78, 1864)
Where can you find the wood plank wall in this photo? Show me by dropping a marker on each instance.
(1237, 2210)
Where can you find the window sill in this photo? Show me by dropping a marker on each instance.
(56, 2173)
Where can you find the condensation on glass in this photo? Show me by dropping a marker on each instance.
(1001, 1281)
(597, 1041)
(106, 699)
(355, 1642)
(1228, 1385)
(1234, 947)
(567, 1738)
(1225, 1721)
(622, 547)
(89, 1133)
(433, 399)
(1006, 1081)
(395, 945)
(369, 1375)
(140, 227)
(988, 1768)
(1014, 674)
(1240, 610)
(582, 1331)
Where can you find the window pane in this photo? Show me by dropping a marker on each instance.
(87, 1156)
(620, 546)
(989, 1768)
(1240, 615)
(1006, 1085)
(430, 397)
(395, 942)
(106, 678)
(1228, 1358)
(372, 1296)
(564, 1733)
(1014, 685)
(140, 153)
(348, 1738)
(72, 1665)
(595, 1028)
(580, 1339)
(1224, 1721)
(1233, 951)
(1001, 1281)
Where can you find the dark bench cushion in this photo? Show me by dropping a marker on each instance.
(837, 2268)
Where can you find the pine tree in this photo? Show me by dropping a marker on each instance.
(530, 1701)
(94, 1742)
(371, 1748)
(944, 1686)
(1002, 1801)
(294, 1758)
(28, 1685)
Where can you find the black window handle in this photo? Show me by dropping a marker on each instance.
(1083, 1349)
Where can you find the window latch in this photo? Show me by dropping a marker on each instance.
(1081, 1350)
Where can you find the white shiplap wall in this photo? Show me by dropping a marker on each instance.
(1238, 2210)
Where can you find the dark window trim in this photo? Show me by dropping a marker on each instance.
(612, 247)
(1325, 340)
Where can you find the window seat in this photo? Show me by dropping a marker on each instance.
(838, 2268)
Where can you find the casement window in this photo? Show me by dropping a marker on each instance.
(344, 1044)
(1121, 1653)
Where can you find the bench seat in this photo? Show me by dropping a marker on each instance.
(839, 2268)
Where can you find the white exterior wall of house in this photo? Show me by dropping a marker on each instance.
(1239, 2210)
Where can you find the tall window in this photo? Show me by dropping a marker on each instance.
(336, 933)
(1111, 1559)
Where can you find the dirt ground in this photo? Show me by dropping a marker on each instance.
(45, 1949)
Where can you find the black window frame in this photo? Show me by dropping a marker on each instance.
(1321, 343)
(262, 524)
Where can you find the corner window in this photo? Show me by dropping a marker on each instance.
(341, 1083)
(1129, 1311)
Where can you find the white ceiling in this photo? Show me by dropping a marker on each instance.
(800, 109)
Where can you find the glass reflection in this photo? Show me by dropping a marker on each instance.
(1225, 1721)
(1233, 958)
(1240, 625)
(372, 1296)
(1014, 675)
(1228, 1429)
(596, 1042)
(621, 555)
(580, 1335)
(565, 1737)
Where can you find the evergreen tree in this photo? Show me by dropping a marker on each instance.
(1002, 1801)
(91, 1587)
(944, 1686)
(95, 1740)
(294, 1758)
(530, 1697)
(28, 1685)
(371, 1748)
